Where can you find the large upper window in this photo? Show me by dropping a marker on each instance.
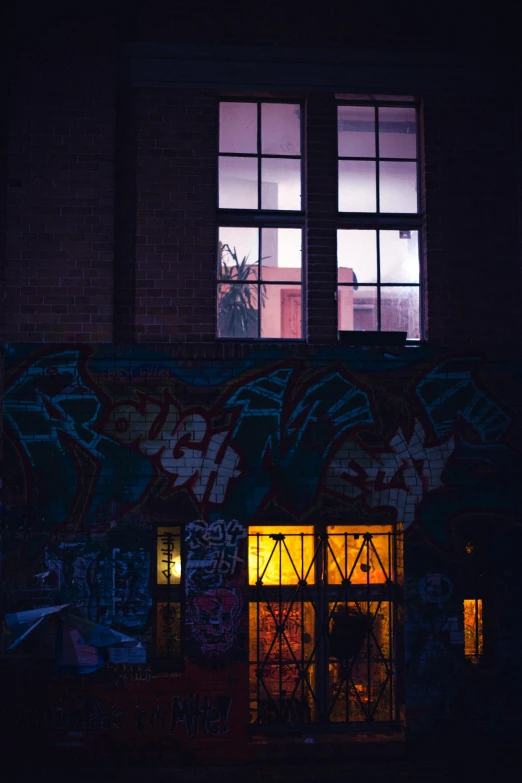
(259, 265)
(379, 219)
(262, 216)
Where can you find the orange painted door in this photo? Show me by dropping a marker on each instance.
(291, 314)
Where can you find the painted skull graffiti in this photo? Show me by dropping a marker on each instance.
(214, 616)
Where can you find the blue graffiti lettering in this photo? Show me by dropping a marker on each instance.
(449, 391)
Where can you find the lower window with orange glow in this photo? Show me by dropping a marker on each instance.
(360, 664)
(282, 681)
(321, 625)
(473, 629)
(168, 603)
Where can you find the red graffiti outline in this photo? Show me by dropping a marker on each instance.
(186, 442)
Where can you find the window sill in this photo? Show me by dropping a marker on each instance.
(348, 339)
(260, 340)
(266, 734)
(374, 338)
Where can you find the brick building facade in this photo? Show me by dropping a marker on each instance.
(204, 525)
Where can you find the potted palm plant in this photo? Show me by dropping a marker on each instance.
(240, 295)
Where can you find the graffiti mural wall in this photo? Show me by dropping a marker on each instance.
(101, 447)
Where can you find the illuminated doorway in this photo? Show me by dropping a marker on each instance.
(322, 624)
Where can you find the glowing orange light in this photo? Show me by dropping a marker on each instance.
(280, 554)
(361, 690)
(473, 629)
(362, 561)
(282, 658)
(168, 556)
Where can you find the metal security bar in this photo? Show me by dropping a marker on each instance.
(322, 623)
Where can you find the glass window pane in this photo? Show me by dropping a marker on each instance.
(281, 311)
(238, 183)
(357, 308)
(270, 702)
(168, 629)
(281, 254)
(168, 556)
(356, 131)
(238, 127)
(237, 310)
(280, 129)
(267, 617)
(356, 256)
(397, 132)
(281, 183)
(473, 628)
(398, 187)
(400, 310)
(238, 253)
(282, 654)
(283, 561)
(351, 557)
(357, 186)
(399, 252)
(361, 634)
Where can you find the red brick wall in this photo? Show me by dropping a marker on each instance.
(377, 25)
(472, 227)
(321, 196)
(176, 216)
(472, 268)
(72, 143)
(60, 210)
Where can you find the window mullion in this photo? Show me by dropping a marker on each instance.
(259, 304)
(377, 173)
(259, 171)
(378, 204)
(378, 243)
